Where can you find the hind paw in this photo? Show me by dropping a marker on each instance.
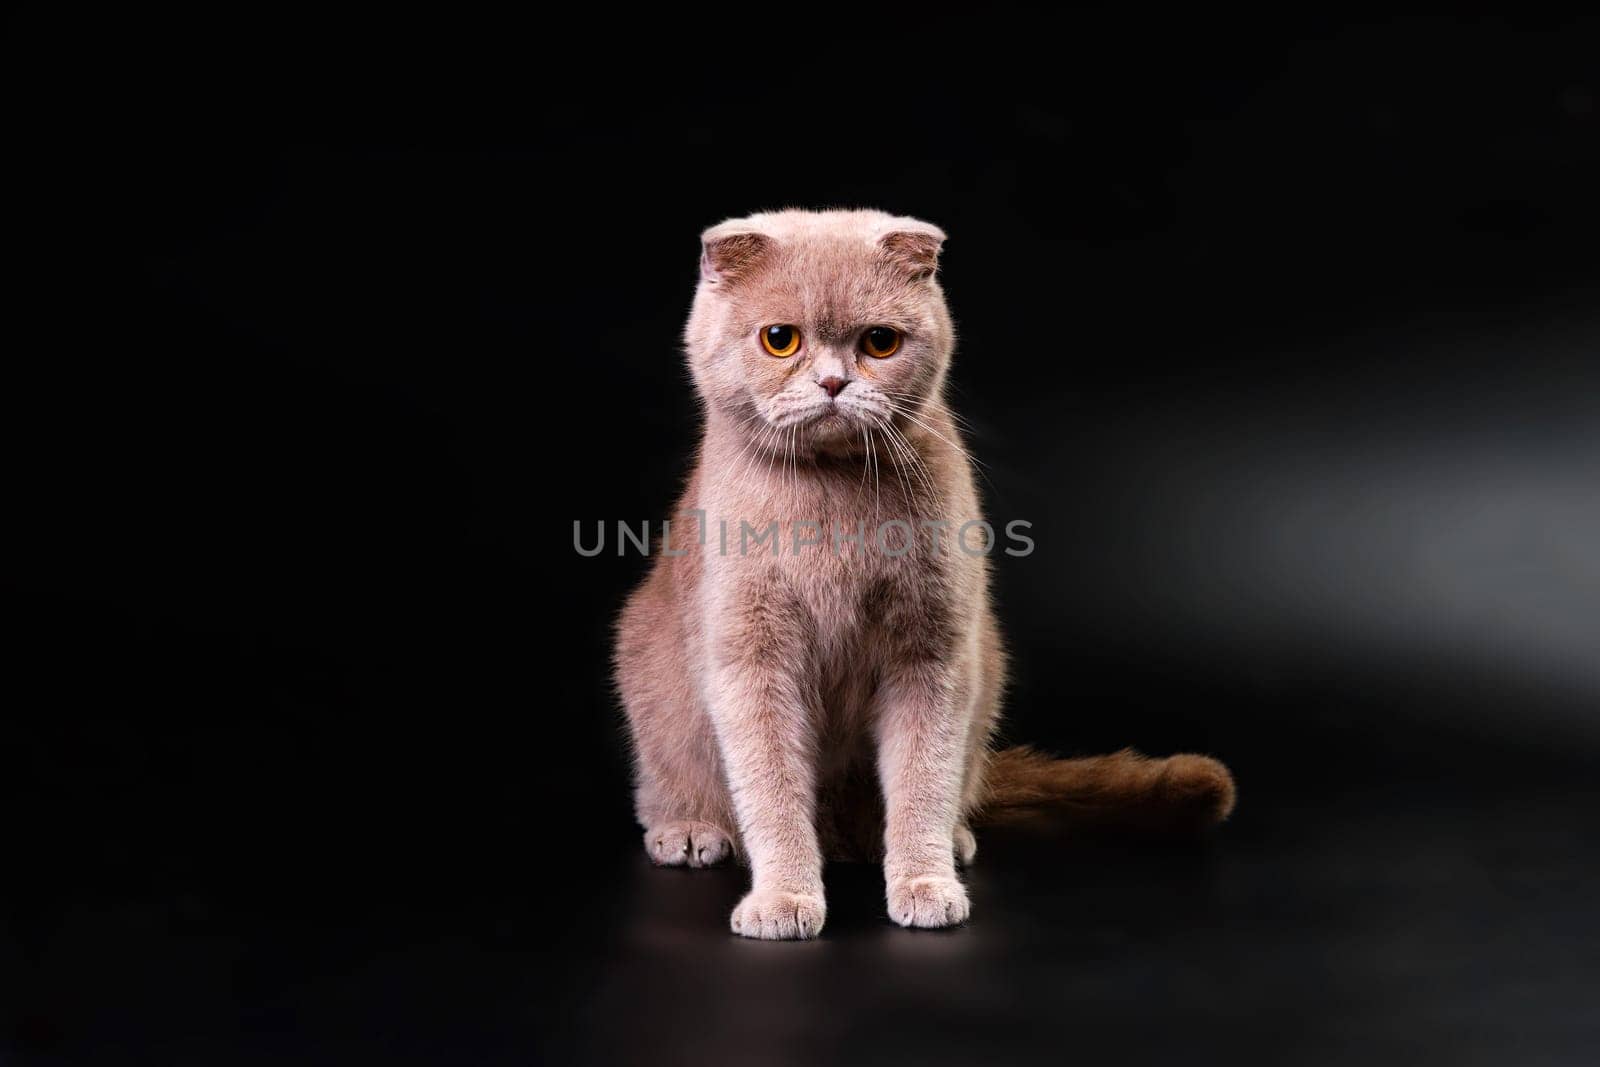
(687, 843)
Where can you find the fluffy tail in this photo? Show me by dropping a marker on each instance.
(1179, 794)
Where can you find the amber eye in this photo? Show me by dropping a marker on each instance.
(880, 342)
(780, 341)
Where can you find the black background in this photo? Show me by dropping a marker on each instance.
(323, 333)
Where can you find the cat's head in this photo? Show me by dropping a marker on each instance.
(810, 326)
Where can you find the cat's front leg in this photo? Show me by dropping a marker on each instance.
(765, 732)
(922, 734)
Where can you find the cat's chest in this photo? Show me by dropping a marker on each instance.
(853, 589)
(832, 588)
(847, 560)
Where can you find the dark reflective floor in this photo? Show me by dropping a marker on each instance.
(1447, 919)
(1402, 926)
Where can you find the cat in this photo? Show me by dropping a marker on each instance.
(836, 695)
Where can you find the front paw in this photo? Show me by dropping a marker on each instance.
(928, 901)
(776, 915)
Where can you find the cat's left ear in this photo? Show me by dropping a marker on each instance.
(730, 250)
(914, 245)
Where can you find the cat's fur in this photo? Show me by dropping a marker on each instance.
(837, 700)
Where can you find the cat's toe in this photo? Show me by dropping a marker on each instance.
(776, 915)
(930, 901)
(687, 843)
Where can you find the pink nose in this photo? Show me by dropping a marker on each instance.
(833, 385)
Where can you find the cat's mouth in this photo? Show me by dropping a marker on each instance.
(830, 420)
(825, 423)
(829, 412)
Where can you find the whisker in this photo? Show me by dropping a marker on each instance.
(916, 398)
(865, 449)
(925, 425)
(921, 470)
(917, 468)
(900, 466)
(753, 449)
(877, 489)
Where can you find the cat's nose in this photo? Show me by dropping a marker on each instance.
(833, 385)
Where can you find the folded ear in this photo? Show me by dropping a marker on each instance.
(914, 245)
(728, 254)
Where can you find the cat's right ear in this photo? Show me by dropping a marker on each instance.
(726, 255)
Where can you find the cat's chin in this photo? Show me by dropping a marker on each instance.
(832, 427)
